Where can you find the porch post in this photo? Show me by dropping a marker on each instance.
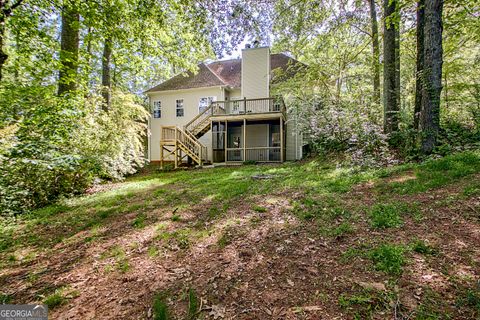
(176, 149)
(211, 145)
(226, 142)
(281, 139)
(161, 155)
(244, 139)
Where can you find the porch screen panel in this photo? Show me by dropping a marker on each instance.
(218, 141)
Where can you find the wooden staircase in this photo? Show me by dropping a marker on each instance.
(184, 143)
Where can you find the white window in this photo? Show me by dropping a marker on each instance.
(157, 109)
(179, 107)
(205, 102)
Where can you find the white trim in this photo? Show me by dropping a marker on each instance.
(181, 90)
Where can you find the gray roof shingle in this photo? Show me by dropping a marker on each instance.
(225, 73)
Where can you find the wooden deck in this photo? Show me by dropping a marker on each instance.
(184, 143)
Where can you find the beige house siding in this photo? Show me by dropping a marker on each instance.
(191, 99)
(234, 93)
(255, 73)
(254, 79)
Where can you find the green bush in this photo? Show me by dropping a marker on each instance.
(59, 146)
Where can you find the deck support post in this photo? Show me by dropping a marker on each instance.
(176, 148)
(281, 139)
(226, 142)
(244, 140)
(161, 155)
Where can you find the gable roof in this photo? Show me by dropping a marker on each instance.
(203, 78)
(226, 73)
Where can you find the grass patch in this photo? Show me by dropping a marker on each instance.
(59, 297)
(117, 253)
(439, 172)
(420, 246)
(325, 208)
(470, 298)
(259, 209)
(432, 307)
(46, 227)
(54, 300)
(181, 237)
(365, 303)
(388, 258)
(384, 216)
(139, 221)
(224, 240)
(152, 252)
(5, 298)
(339, 231)
(192, 305)
(472, 190)
(160, 308)
(176, 218)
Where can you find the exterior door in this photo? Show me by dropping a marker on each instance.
(274, 138)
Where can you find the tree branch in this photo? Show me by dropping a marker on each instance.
(8, 11)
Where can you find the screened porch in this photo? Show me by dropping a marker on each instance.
(248, 140)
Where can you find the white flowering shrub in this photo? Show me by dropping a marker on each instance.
(59, 146)
(352, 130)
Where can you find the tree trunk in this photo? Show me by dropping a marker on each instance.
(375, 53)
(432, 75)
(106, 78)
(70, 38)
(397, 61)
(420, 60)
(3, 55)
(5, 11)
(390, 101)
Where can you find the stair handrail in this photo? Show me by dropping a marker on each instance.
(202, 116)
(191, 143)
(192, 124)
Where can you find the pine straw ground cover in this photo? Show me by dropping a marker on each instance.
(310, 242)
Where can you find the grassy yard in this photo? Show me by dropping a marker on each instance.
(293, 241)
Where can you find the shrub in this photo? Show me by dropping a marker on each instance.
(59, 147)
(354, 131)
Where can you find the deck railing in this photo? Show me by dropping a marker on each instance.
(258, 154)
(248, 106)
(193, 146)
(202, 120)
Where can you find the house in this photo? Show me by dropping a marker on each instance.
(225, 113)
